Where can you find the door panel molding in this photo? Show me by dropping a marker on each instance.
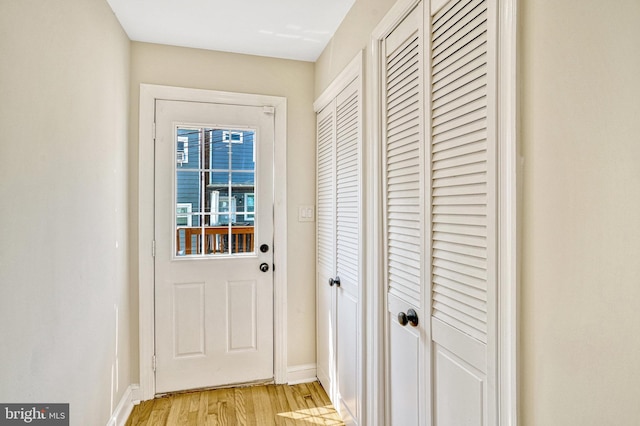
(148, 95)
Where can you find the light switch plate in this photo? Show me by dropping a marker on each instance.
(306, 213)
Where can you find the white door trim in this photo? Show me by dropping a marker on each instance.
(509, 195)
(509, 218)
(148, 95)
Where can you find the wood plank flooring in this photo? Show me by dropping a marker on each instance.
(303, 404)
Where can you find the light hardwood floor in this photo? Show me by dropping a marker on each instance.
(304, 404)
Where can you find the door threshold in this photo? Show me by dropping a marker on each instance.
(231, 385)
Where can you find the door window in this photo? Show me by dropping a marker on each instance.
(215, 175)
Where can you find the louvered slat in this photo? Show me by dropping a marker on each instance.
(459, 166)
(403, 172)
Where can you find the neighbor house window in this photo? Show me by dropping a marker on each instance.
(249, 207)
(231, 136)
(182, 150)
(226, 210)
(183, 214)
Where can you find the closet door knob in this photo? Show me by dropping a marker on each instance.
(411, 317)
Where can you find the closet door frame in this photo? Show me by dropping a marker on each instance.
(508, 223)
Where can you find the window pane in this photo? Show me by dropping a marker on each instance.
(218, 150)
(241, 239)
(188, 189)
(248, 207)
(242, 154)
(188, 148)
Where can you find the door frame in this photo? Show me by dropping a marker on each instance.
(508, 222)
(149, 93)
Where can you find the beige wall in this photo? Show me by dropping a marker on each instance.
(64, 302)
(353, 35)
(194, 68)
(580, 115)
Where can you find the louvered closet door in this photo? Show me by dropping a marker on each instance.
(325, 216)
(348, 249)
(404, 218)
(463, 215)
(339, 236)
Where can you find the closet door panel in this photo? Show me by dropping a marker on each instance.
(404, 219)
(325, 236)
(463, 216)
(348, 246)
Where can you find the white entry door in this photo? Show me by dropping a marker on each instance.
(213, 244)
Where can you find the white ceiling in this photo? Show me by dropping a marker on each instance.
(291, 29)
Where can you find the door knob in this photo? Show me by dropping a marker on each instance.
(411, 317)
(335, 281)
(264, 267)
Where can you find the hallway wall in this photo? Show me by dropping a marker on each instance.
(64, 303)
(202, 69)
(580, 110)
(353, 35)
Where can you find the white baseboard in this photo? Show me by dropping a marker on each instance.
(304, 373)
(130, 398)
